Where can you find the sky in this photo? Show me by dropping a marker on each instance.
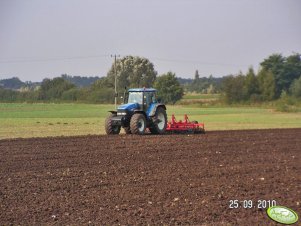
(47, 38)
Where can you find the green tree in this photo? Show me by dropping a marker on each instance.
(292, 70)
(7, 95)
(275, 65)
(233, 88)
(132, 72)
(71, 94)
(80, 81)
(169, 88)
(196, 75)
(52, 89)
(296, 88)
(284, 69)
(103, 82)
(267, 85)
(251, 85)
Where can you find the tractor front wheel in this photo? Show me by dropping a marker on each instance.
(138, 124)
(159, 122)
(109, 127)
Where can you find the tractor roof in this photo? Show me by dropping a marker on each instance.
(143, 90)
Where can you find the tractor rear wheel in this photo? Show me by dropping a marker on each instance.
(138, 124)
(109, 127)
(159, 122)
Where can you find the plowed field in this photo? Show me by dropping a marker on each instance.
(170, 179)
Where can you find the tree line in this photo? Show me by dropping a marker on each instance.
(278, 76)
(131, 72)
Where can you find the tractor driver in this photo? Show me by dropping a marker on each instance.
(149, 98)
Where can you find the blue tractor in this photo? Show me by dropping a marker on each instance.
(141, 110)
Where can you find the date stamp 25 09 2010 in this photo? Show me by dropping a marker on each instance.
(250, 204)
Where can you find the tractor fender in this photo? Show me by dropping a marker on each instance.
(113, 112)
(140, 112)
(154, 109)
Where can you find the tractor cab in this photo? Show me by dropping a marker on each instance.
(139, 99)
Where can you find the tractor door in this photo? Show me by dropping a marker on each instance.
(148, 99)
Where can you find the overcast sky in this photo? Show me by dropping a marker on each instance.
(40, 38)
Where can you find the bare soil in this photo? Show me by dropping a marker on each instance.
(156, 180)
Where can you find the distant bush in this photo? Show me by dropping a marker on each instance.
(52, 89)
(296, 88)
(7, 95)
(71, 94)
(233, 88)
(104, 95)
(256, 98)
(288, 103)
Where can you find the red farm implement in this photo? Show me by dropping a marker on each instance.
(185, 126)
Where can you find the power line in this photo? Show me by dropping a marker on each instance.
(33, 60)
(196, 62)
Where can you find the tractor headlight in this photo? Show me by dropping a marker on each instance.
(121, 113)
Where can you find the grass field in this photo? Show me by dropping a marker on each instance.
(198, 99)
(39, 120)
(200, 96)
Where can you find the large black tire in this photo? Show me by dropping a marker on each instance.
(138, 124)
(110, 129)
(127, 130)
(159, 122)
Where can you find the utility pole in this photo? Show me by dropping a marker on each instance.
(115, 70)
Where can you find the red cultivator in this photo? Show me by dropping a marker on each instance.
(185, 126)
